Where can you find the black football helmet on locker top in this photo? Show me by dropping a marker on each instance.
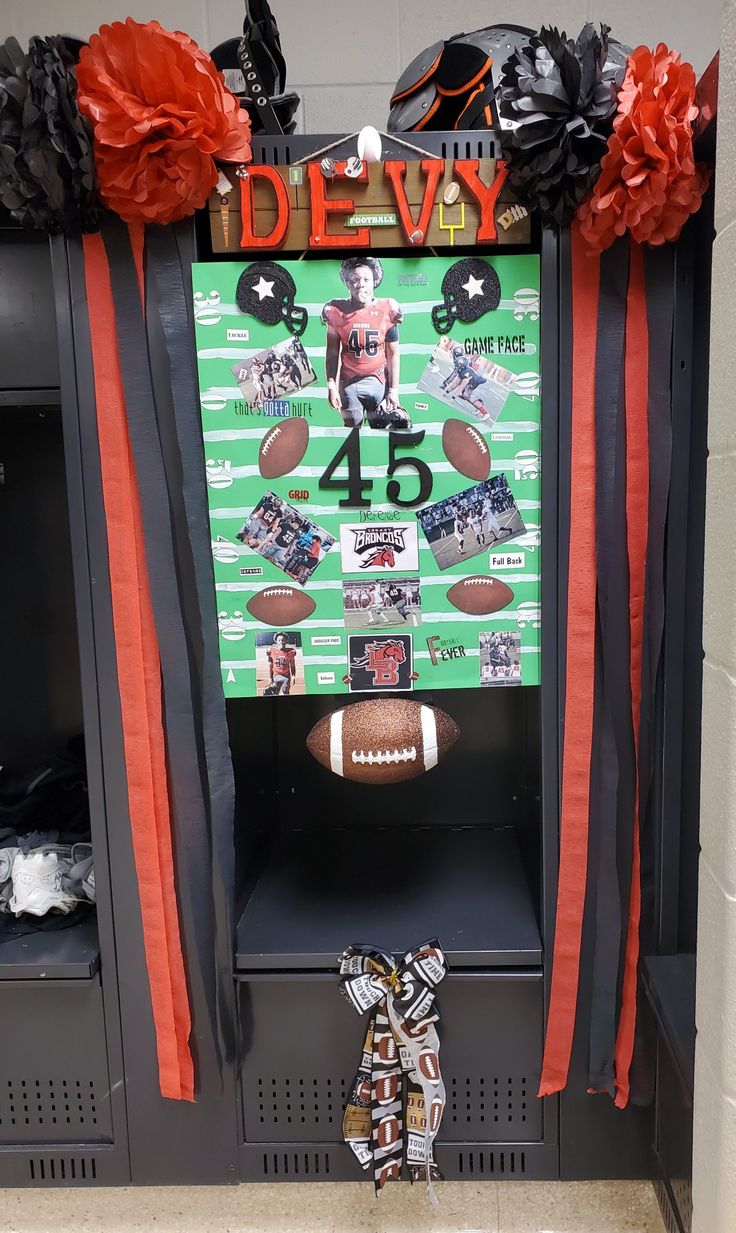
(470, 289)
(267, 292)
(451, 85)
(454, 83)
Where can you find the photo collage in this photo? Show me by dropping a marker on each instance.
(373, 488)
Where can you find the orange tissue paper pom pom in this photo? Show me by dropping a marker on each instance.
(161, 115)
(649, 183)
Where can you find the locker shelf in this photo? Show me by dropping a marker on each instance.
(322, 890)
(669, 981)
(63, 954)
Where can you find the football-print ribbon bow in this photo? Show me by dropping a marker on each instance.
(399, 1074)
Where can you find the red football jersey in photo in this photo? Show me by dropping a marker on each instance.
(281, 661)
(362, 332)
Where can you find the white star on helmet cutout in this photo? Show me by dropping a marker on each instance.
(474, 286)
(264, 289)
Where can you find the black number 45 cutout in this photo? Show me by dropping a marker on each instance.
(355, 485)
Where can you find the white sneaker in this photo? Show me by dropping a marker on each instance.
(88, 885)
(79, 879)
(37, 886)
(7, 859)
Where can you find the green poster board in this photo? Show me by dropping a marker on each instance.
(383, 554)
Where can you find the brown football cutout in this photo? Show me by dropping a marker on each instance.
(466, 449)
(480, 595)
(281, 604)
(383, 740)
(283, 447)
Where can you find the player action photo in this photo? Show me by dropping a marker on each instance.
(500, 658)
(276, 372)
(473, 521)
(362, 357)
(286, 537)
(470, 383)
(279, 667)
(396, 601)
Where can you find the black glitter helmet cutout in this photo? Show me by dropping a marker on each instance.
(267, 292)
(470, 289)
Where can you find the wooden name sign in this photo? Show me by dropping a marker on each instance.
(351, 204)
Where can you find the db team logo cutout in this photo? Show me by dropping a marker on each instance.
(380, 663)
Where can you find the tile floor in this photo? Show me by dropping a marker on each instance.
(490, 1207)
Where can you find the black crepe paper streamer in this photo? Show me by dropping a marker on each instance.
(47, 172)
(561, 98)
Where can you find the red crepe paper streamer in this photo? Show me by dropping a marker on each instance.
(579, 682)
(636, 385)
(139, 682)
(161, 114)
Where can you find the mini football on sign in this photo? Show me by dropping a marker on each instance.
(466, 449)
(283, 448)
(480, 595)
(383, 740)
(281, 605)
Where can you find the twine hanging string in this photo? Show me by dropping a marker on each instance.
(399, 141)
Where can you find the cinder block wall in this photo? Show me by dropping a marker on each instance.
(345, 57)
(714, 1164)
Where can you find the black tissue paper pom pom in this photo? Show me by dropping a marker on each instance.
(560, 98)
(47, 171)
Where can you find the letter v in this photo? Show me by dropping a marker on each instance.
(395, 170)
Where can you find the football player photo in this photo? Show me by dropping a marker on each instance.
(274, 373)
(500, 658)
(362, 357)
(378, 604)
(483, 517)
(283, 535)
(279, 667)
(470, 383)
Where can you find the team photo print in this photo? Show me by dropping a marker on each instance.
(473, 521)
(274, 372)
(470, 383)
(279, 666)
(500, 658)
(282, 535)
(394, 602)
(362, 353)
